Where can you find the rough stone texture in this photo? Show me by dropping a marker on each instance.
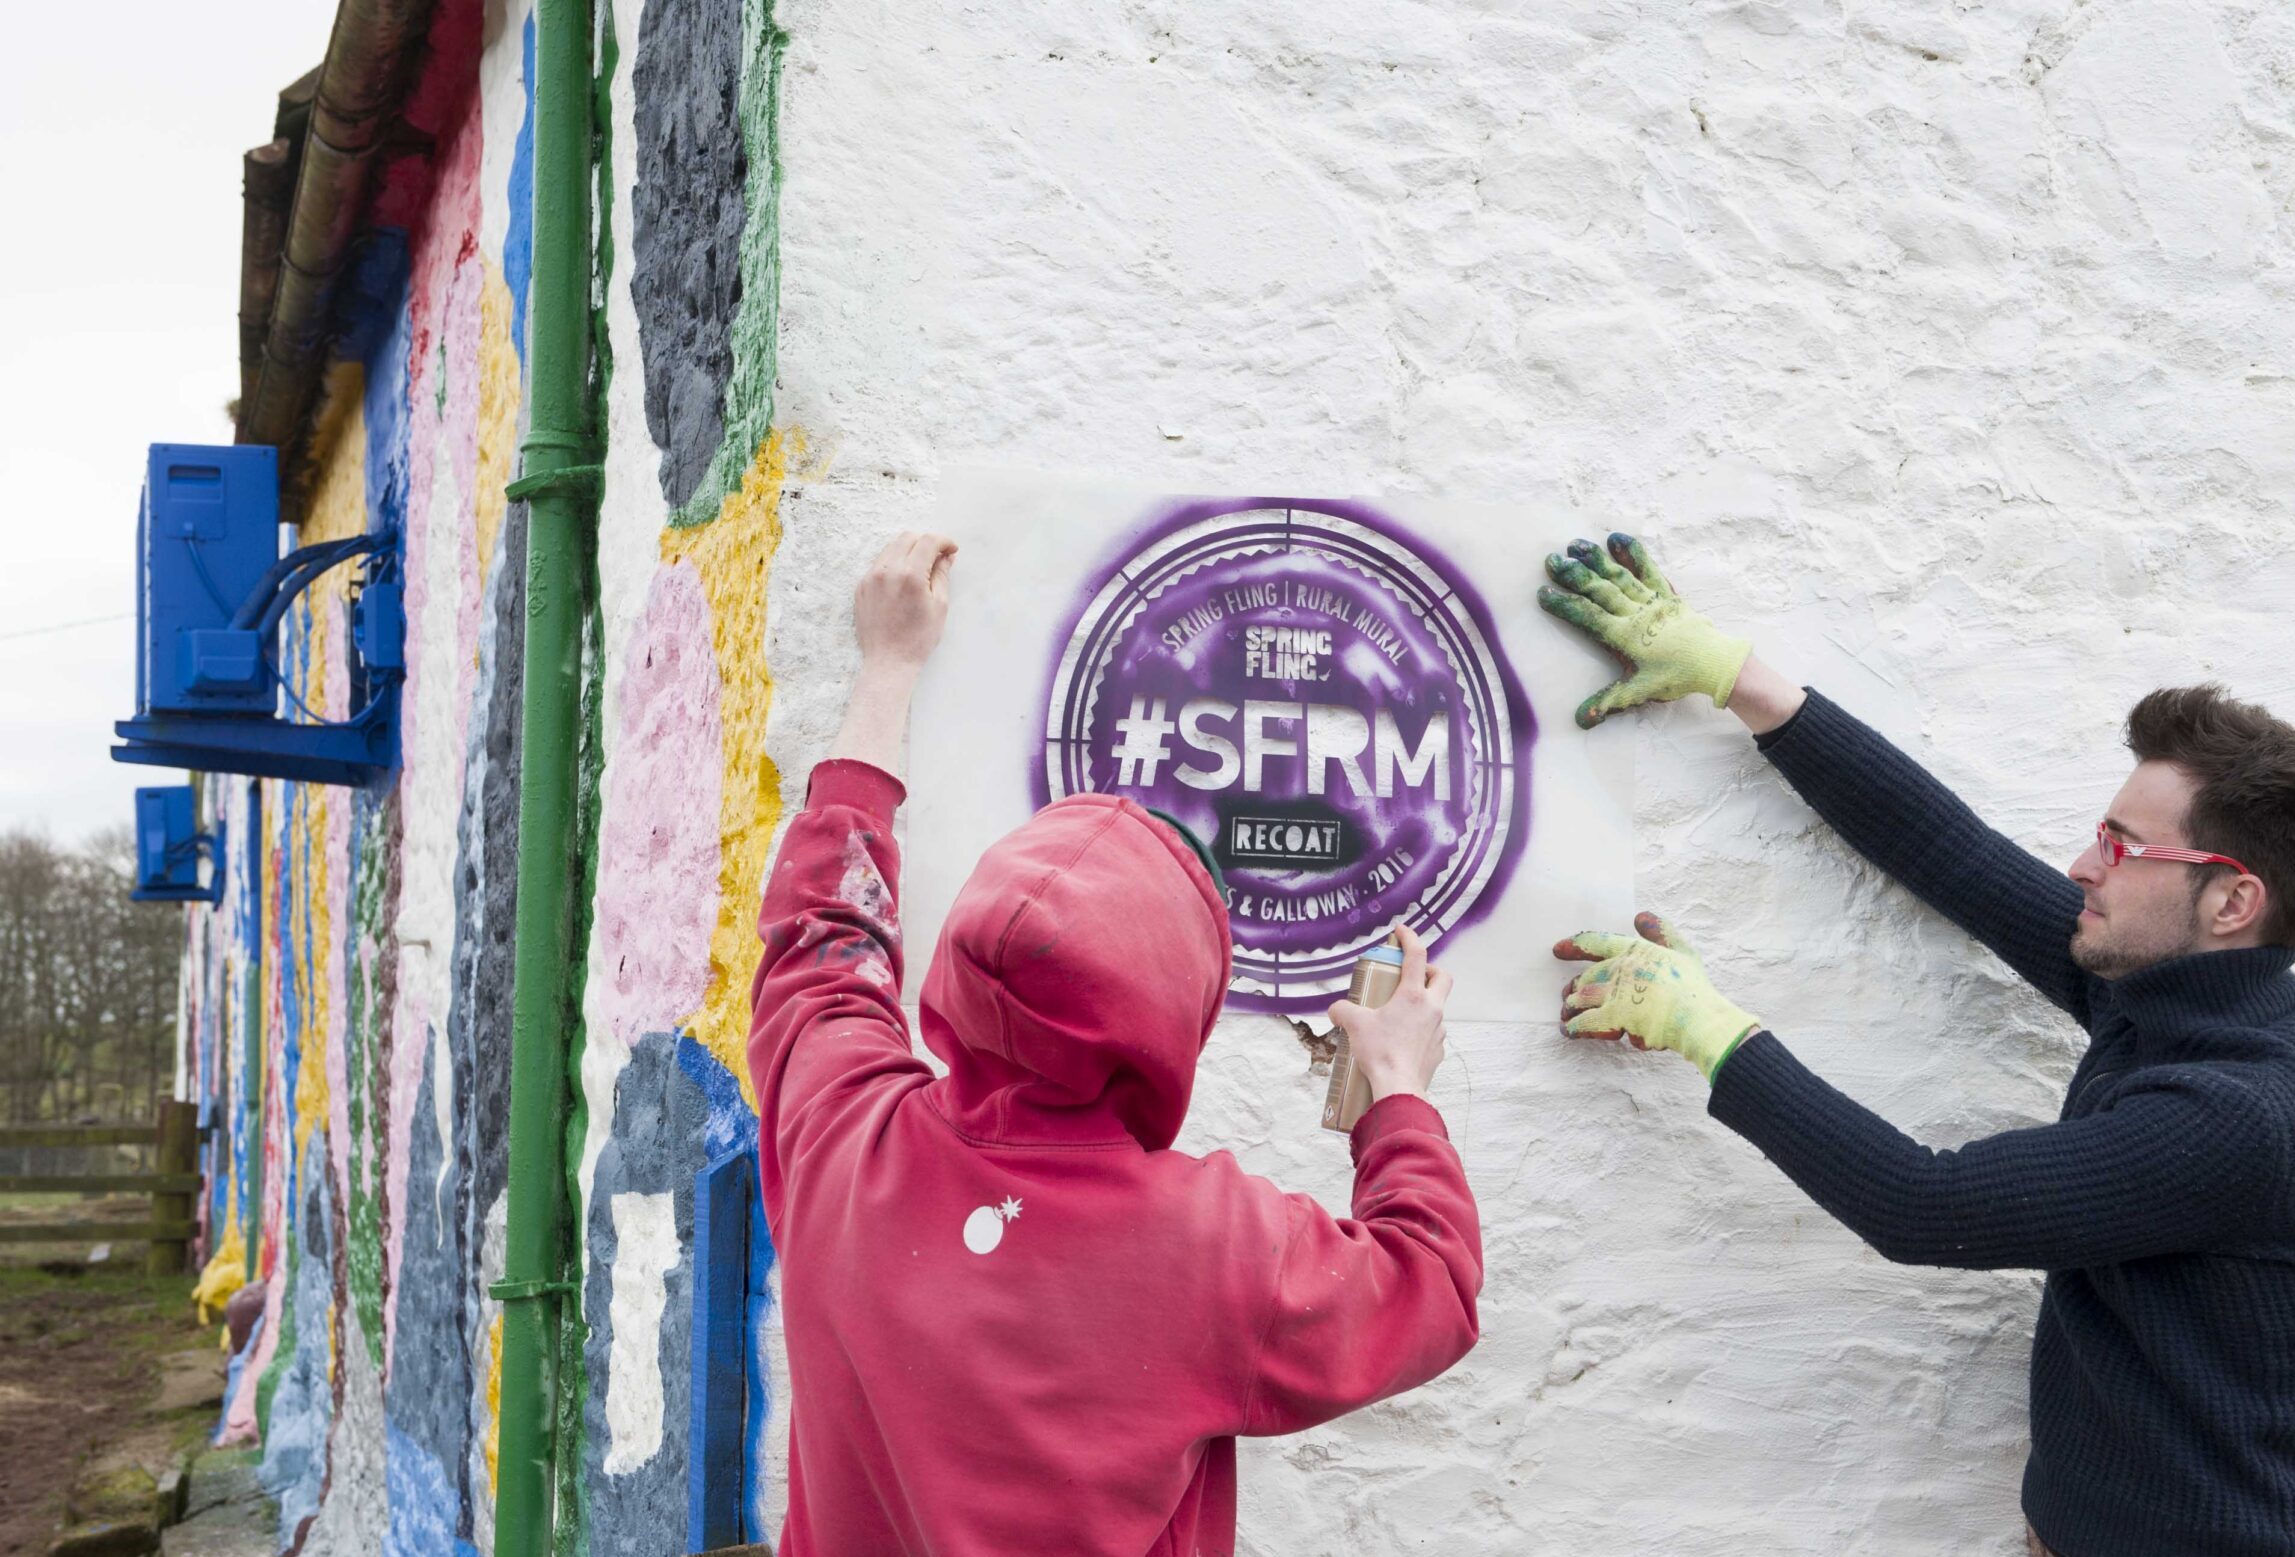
(355, 1518)
(226, 1514)
(117, 1493)
(692, 172)
(1944, 351)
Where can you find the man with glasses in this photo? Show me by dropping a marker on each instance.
(2162, 1202)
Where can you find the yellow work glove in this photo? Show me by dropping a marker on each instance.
(1652, 992)
(1624, 604)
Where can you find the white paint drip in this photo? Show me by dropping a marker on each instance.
(442, 1121)
(863, 886)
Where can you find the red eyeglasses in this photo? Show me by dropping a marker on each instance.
(2113, 849)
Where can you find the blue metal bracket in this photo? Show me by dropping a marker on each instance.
(168, 846)
(213, 594)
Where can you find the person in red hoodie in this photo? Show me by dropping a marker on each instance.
(1018, 1321)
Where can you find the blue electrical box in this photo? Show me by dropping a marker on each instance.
(207, 534)
(212, 591)
(168, 845)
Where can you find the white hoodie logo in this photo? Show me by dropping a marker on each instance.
(984, 1228)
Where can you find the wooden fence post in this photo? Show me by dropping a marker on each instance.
(178, 1153)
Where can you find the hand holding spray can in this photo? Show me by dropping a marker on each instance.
(1378, 973)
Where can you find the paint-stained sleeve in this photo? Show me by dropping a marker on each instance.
(826, 1033)
(2172, 1167)
(1381, 1302)
(1895, 813)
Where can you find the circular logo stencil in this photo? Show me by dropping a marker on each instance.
(1324, 704)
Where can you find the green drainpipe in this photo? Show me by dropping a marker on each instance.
(560, 484)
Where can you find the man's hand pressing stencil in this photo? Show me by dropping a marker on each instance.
(1621, 601)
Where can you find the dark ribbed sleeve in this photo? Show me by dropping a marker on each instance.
(1894, 812)
(2169, 1168)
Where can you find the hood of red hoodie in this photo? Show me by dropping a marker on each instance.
(1077, 978)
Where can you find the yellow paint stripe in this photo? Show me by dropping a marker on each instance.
(733, 554)
(493, 1406)
(498, 395)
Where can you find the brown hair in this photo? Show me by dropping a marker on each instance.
(2243, 762)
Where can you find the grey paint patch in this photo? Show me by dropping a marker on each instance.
(655, 1148)
(485, 910)
(692, 171)
(484, 928)
(427, 1396)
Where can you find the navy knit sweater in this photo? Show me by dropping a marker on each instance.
(2161, 1204)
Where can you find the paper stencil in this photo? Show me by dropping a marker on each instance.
(1356, 705)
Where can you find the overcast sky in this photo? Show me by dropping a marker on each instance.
(121, 131)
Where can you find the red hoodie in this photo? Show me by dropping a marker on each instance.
(1018, 1322)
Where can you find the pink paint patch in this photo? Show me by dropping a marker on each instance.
(658, 855)
(239, 1419)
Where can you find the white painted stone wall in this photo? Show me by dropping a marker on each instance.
(1943, 349)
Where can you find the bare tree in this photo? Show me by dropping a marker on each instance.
(87, 982)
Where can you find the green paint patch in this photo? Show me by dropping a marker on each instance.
(757, 324)
(366, 1068)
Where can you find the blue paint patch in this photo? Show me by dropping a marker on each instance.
(246, 1090)
(518, 242)
(294, 959)
(422, 1501)
(757, 1372)
(387, 333)
(373, 294)
(729, 1124)
(724, 1193)
(727, 1485)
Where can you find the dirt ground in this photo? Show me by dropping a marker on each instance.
(83, 1354)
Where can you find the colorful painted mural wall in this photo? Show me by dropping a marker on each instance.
(1902, 335)
(347, 1007)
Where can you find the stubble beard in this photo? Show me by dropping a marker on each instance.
(2136, 946)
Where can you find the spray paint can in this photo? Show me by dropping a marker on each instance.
(1378, 973)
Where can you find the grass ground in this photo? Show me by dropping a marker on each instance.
(83, 1349)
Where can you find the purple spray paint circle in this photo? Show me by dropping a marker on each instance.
(1324, 702)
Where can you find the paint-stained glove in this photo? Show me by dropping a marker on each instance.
(1624, 604)
(1652, 992)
